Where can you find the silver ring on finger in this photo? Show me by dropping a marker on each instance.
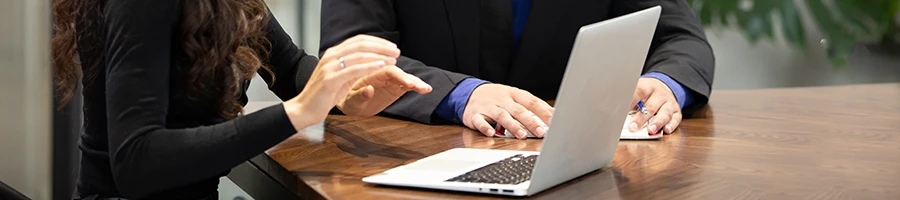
(341, 59)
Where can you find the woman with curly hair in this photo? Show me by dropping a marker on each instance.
(164, 81)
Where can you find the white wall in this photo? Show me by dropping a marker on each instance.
(25, 113)
(742, 65)
(305, 36)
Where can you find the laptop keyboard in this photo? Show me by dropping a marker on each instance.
(512, 170)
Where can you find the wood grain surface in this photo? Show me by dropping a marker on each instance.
(837, 142)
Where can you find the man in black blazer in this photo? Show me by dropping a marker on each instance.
(477, 53)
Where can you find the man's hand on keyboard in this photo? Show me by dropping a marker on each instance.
(514, 109)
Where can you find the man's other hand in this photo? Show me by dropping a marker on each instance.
(660, 102)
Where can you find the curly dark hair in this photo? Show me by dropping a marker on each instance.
(224, 40)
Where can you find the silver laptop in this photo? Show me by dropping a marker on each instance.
(596, 91)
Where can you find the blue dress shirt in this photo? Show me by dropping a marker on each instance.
(453, 105)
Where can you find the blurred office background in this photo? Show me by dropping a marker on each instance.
(742, 62)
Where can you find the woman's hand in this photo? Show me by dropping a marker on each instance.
(373, 93)
(338, 69)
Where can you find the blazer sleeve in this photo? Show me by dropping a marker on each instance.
(342, 19)
(679, 48)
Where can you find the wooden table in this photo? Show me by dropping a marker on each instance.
(838, 142)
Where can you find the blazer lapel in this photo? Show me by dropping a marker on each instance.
(465, 25)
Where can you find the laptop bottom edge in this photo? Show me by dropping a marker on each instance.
(494, 189)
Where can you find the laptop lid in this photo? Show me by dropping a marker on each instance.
(604, 66)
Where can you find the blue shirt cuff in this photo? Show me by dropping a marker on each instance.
(453, 105)
(682, 94)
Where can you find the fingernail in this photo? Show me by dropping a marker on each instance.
(540, 121)
(652, 128)
(523, 133)
(633, 127)
(669, 129)
(542, 131)
(491, 132)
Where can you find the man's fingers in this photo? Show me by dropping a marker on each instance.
(661, 119)
(653, 104)
(526, 118)
(539, 107)
(507, 121)
(639, 95)
(637, 121)
(479, 123)
(673, 124)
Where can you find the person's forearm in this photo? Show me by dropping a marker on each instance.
(299, 116)
(154, 159)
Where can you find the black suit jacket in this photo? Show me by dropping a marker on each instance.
(439, 42)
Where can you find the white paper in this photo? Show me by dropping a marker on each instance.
(639, 134)
(626, 134)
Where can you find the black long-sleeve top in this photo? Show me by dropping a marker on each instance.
(142, 137)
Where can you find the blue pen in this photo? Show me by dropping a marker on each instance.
(641, 107)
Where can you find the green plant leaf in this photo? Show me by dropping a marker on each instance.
(766, 6)
(791, 25)
(825, 20)
(895, 8)
(839, 41)
(874, 11)
(706, 14)
(839, 62)
(763, 10)
(851, 12)
(757, 22)
(842, 22)
(724, 9)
